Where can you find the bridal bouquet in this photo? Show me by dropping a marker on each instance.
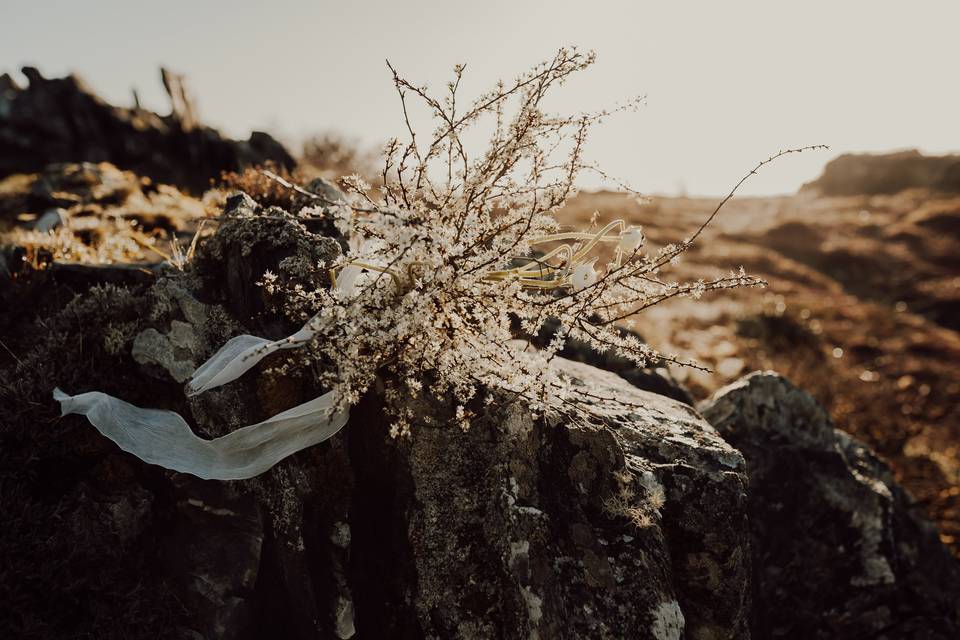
(446, 261)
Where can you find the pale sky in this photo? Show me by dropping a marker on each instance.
(727, 83)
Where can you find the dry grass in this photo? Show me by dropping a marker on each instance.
(860, 310)
(103, 216)
(265, 190)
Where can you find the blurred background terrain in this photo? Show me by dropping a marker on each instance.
(862, 306)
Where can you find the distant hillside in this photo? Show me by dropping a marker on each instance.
(867, 174)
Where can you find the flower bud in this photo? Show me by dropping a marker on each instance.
(631, 239)
(347, 281)
(583, 275)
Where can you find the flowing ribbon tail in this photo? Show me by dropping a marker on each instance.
(164, 438)
(239, 355)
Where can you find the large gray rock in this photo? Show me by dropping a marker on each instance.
(840, 550)
(628, 523)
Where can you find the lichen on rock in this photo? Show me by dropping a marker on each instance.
(841, 550)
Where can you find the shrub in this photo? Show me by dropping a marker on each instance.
(332, 156)
(451, 253)
(454, 246)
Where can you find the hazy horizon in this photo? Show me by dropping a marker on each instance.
(726, 86)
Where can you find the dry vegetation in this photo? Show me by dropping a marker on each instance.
(860, 309)
(93, 214)
(331, 156)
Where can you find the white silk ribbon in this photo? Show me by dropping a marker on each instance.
(164, 438)
(242, 353)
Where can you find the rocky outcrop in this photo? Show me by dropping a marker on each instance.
(865, 174)
(840, 549)
(635, 519)
(629, 522)
(253, 239)
(61, 120)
